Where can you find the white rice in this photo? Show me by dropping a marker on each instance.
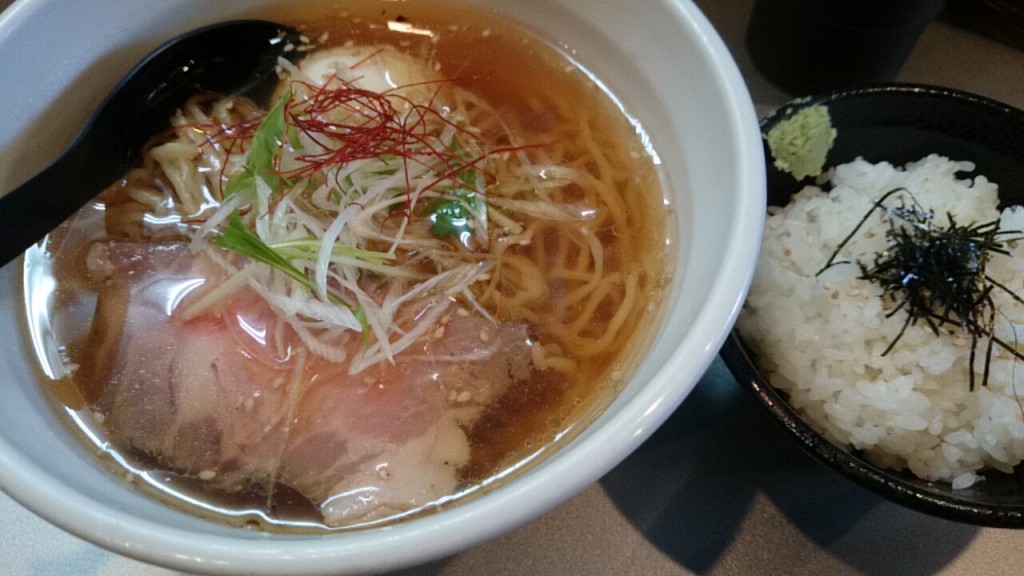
(820, 339)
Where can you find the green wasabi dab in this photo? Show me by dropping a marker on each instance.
(800, 143)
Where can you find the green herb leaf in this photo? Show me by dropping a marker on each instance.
(360, 313)
(467, 177)
(238, 238)
(451, 214)
(264, 149)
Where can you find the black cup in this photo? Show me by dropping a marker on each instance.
(811, 46)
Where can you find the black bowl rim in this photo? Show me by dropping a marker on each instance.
(850, 465)
(903, 88)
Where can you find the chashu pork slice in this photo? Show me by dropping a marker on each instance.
(201, 397)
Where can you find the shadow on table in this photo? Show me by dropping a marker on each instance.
(691, 486)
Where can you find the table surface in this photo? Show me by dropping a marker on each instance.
(719, 489)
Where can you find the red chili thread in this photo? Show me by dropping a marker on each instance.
(352, 124)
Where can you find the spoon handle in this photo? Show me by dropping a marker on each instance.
(231, 58)
(29, 212)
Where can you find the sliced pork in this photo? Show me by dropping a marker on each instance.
(200, 398)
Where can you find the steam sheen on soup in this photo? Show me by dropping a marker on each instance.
(435, 254)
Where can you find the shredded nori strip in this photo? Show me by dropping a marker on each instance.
(937, 274)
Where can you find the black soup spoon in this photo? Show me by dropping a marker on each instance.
(235, 58)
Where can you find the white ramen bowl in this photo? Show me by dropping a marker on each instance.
(664, 62)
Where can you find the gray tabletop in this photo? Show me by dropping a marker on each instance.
(719, 489)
